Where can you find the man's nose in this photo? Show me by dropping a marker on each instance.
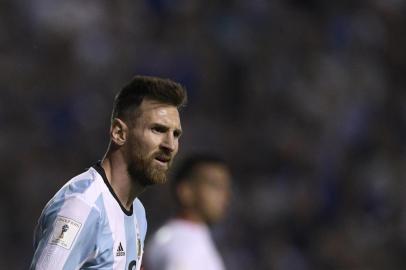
(169, 143)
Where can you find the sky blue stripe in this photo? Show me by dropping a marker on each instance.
(48, 216)
(55, 204)
(130, 238)
(140, 214)
(85, 242)
(105, 243)
(79, 186)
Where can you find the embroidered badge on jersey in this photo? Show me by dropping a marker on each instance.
(65, 232)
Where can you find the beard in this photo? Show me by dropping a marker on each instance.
(142, 169)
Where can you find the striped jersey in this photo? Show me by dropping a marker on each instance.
(84, 226)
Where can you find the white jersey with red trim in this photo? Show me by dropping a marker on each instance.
(182, 245)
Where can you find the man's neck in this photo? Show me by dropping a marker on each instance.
(125, 188)
(190, 216)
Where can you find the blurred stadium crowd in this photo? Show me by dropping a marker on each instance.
(304, 98)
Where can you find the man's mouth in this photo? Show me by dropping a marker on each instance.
(163, 159)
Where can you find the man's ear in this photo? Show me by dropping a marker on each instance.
(118, 132)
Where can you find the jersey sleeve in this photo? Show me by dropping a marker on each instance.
(66, 235)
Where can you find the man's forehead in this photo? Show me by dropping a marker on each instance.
(150, 104)
(208, 170)
(155, 110)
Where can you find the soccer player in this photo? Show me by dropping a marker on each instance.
(202, 189)
(95, 221)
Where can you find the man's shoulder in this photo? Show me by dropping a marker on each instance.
(83, 188)
(183, 243)
(82, 184)
(176, 232)
(175, 242)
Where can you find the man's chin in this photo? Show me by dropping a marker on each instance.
(157, 176)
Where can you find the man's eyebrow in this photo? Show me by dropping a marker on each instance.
(165, 127)
(159, 125)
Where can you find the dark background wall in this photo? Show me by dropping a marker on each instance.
(304, 98)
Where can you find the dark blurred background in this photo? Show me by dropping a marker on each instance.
(304, 98)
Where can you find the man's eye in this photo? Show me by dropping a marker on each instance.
(176, 134)
(158, 129)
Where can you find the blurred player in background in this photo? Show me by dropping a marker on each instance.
(95, 221)
(201, 188)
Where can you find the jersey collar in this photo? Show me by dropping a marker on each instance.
(98, 167)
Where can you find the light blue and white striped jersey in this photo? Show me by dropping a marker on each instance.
(84, 226)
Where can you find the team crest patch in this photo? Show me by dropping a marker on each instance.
(65, 232)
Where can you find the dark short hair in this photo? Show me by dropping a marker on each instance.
(131, 95)
(184, 171)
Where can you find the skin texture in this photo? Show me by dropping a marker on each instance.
(142, 149)
(205, 198)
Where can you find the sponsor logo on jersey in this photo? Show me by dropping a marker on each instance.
(120, 250)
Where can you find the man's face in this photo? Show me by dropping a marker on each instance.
(153, 142)
(211, 188)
